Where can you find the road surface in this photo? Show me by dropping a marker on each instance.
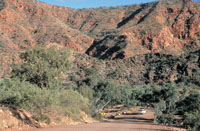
(127, 122)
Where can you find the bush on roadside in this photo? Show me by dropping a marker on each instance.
(190, 110)
(192, 120)
(41, 100)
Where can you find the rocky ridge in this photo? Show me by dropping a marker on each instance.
(164, 27)
(159, 26)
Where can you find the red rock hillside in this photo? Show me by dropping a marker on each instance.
(106, 33)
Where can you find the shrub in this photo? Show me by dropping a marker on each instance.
(41, 100)
(85, 91)
(24, 95)
(192, 120)
(102, 93)
(125, 95)
(190, 110)
(168, 100)
(42, 66)
(105, 93)
(166, 119)
(72, 103)
(117, 73)
(147, 95)
(190, 103)
(163, 114)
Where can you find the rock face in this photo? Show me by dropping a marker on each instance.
(106, 33)
(25, 23)
(154, 27)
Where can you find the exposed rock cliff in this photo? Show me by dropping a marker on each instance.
(107, 33)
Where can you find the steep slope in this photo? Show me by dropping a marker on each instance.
(168, 27)
(106, 33)
(24, 23)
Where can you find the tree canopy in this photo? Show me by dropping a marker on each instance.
(42, 66)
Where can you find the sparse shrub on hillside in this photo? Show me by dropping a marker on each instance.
(117, 73)
(42, 66)
(192, 81)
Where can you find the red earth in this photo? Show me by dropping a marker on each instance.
(131, 121)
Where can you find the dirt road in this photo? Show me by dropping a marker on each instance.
(127, 122)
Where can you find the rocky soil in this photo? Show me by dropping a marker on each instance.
(12, 119)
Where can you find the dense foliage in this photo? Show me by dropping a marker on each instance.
(42, 66)
(35, 85)
(99, 92)
(40, 100)
(174, 103)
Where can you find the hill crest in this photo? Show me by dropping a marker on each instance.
(105, 33)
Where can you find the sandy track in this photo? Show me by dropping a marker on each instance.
(128, 122)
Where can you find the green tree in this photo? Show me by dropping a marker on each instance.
(105, 93)
(190, 103)
(192, 120)
(42, 66)
(100, 92)
(190, 110)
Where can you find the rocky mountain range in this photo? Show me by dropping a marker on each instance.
(170, 27)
